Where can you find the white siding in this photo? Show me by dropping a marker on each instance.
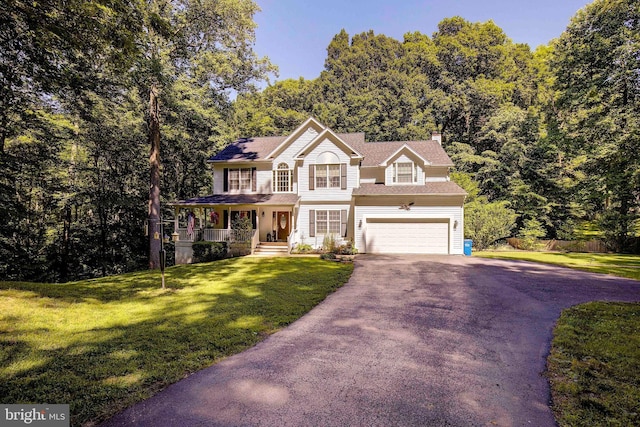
(437, 173)
(326, 194)
(302, 233)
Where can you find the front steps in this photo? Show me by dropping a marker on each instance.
(271, 249)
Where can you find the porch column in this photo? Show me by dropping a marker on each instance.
(175, 218)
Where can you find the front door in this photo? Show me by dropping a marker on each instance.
(283, 225)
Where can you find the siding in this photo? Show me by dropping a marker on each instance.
(326, 194)
(436, 173)
(302, 233)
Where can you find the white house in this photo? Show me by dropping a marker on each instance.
(385, 197)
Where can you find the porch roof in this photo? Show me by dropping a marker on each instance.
(240, 199)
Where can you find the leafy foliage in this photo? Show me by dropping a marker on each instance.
(76, 78)
(485, 223)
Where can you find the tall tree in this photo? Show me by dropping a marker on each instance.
(209, 41)
(596, 65)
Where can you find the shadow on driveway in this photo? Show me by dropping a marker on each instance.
(409, 340)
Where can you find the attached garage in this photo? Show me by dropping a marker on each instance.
(407, 235)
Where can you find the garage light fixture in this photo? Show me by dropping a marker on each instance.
(455, 224)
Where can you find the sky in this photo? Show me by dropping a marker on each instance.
(294, 34)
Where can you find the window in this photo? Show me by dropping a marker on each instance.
(328, 221)
(282, 181)
(405, 172)
(240, 179)
(328, 176)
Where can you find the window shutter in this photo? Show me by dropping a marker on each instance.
(343, 220)
(225, 180)
(225, 217)
(254, 219)
(343, 178)
(312, 177)
(254, 181)
(312, 223)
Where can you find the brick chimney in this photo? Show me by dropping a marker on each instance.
(436, 136)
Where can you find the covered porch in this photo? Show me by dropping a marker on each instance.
(210, 218)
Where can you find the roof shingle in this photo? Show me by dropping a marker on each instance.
(440, 188)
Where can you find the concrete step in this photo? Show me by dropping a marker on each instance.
(272, 249)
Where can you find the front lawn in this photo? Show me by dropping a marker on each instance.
(616, 264)
(594, 364)
(102, 345)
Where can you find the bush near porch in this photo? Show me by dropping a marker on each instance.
(101, 345)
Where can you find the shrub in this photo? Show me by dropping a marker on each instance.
(487, 222)
(347, 249)
(303, 248)
(209, 251)
(329, 243)
(530, 233)
(329, 256)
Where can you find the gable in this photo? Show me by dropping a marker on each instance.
(310, 126)
(403, 154)
(325, 136)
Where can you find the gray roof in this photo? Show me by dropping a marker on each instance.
(241, 199)
(249, 149)
(374, 153)
(442, 188)
(377, 152)
(259, 148)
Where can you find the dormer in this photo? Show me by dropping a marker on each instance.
(404, 167)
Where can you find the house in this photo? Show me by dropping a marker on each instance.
(384, 197)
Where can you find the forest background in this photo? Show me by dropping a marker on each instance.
(544, 141)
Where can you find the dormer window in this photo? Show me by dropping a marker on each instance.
(282, 179)
(405, 173)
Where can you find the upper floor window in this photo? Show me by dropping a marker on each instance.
(282, 178)
(239, 179)
(328, 172)
(405, 172)
(328, 176)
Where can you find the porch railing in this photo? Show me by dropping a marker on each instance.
(216, 235)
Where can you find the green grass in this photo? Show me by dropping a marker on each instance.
(594, 365)
(101, 345)
(616, 264)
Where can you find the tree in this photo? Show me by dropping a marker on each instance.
(486, 222)
(596, 65)
(209, 41)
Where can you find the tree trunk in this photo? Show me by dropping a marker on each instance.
(155, 232)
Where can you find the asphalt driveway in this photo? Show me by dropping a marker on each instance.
(409, 341)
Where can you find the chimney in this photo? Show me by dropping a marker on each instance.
(436, 136)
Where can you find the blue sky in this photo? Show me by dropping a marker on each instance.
(295, 34)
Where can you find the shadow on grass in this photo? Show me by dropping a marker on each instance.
(108, 343)
(616, 264)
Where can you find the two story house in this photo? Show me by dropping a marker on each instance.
(385, 197)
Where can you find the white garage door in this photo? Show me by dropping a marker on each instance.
(407, 236)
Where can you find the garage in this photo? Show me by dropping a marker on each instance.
(407, 236)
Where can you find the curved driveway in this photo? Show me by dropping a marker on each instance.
(408, 341)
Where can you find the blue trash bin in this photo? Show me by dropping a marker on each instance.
(468, 244)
